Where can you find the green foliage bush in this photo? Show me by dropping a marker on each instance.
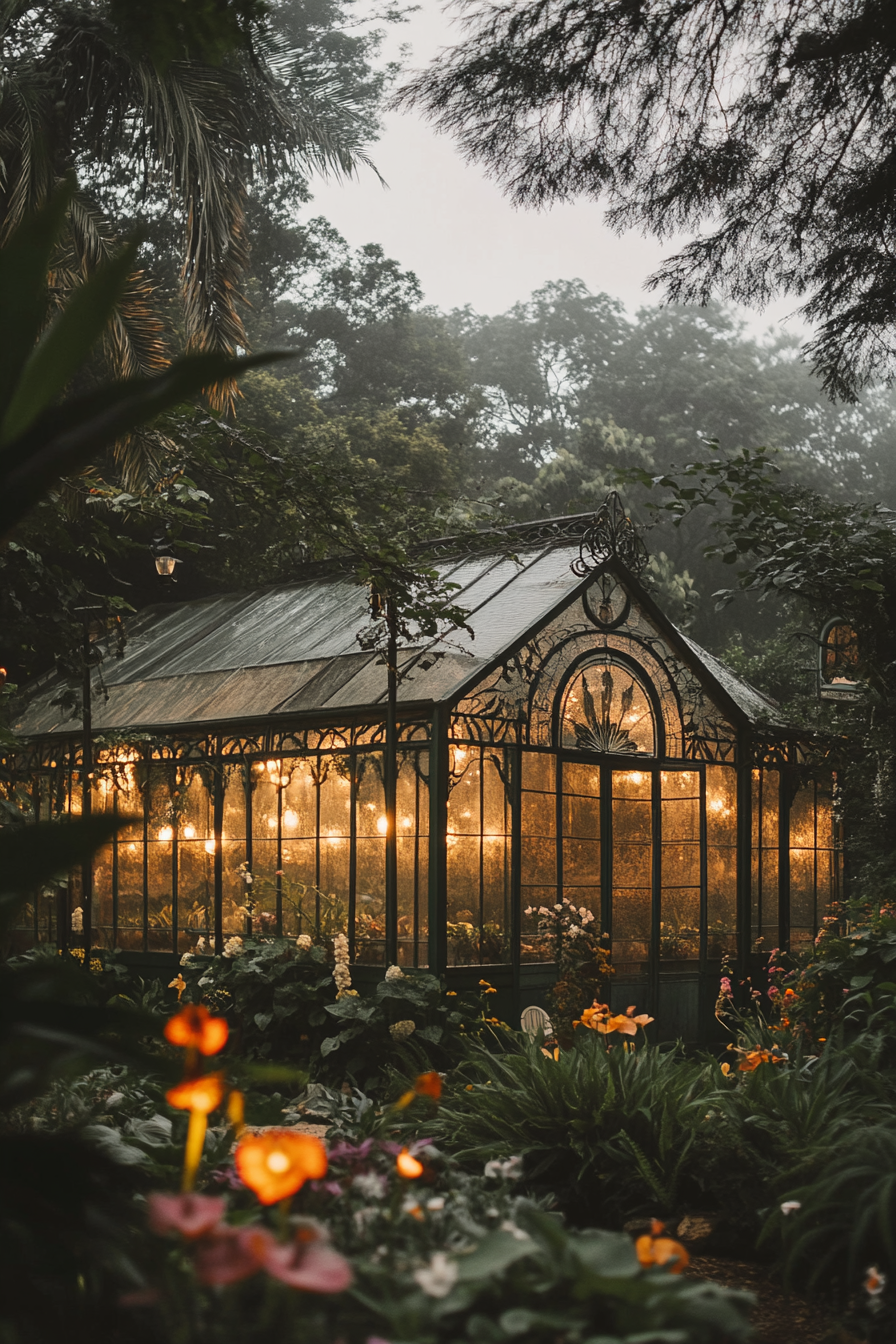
(281, 1003)
(614, 1132)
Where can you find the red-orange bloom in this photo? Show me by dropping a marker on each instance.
(407, 1165)
(194, 1028)
(278, 1162)
(429, 1085)
(662, 1251)
(197, 1094)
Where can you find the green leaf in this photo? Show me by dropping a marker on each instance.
(64, 437)
(66, 344)
(493, 1255)
(24, 263)
(31, 856)
(263, 1020)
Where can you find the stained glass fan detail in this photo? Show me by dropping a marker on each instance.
(607, 711)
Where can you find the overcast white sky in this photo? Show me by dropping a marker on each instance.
(443, 219)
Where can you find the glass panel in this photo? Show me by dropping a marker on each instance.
(581, 836)
(632, 858)
(721, 860)
(766, 788)
(605, 709)
(370, 860)
(538, 848)
(478, 852)
(539, 771)
(680, 866)
(103, 804)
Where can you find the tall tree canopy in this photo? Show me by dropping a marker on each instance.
(764, 126)
(182, 132)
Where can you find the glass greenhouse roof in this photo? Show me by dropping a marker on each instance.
(293, 649)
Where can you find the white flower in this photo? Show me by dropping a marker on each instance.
(395, 973)
(558, 906)
(368, 1184)
(234, 947)
(508, 1226)
(790, 1206)
(186, 958)
(529, 910)
(435, 1204)
(439, 1277)
(582, 912)
(77, 920)
(400, 1031)
(200, 945)
(543, 910)
(304, 941)
(875, 1281)
(574, 930)
(364, 1216)
(511, 1170)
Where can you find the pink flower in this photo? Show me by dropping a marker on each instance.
(725, 987)
(313, 1266)
(773, 991)
(233, 1253)
(191, 1215)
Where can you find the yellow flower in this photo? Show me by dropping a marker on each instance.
(180, 984)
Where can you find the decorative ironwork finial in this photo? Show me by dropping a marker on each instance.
(611, 533)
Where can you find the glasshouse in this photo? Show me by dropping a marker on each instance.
(572, 742)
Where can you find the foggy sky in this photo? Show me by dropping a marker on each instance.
(443, 218)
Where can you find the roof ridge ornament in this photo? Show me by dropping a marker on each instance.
(612, 533)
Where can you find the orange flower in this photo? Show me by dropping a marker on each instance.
(180, 984)
(194, 1028)
(197, 1094)
(427, 1085)
(662, 1251)
(278, 1162)
(408, 1166)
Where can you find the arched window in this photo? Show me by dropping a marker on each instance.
(838, 660)
(607, 710)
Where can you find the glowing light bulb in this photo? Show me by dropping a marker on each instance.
(407, 822)
(272, 822)
(290, 818)
(166, 833)
(382, 825)
(209, 846)
(272, 767)
(189, 832)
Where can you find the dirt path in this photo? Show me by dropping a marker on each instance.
(779, 1317)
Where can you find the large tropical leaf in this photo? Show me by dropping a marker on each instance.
(66, 436)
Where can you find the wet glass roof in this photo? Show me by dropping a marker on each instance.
(293, 649)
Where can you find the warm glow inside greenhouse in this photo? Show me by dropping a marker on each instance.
(575, 744)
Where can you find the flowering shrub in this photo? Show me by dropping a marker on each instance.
(293, 1000)
(570, 937)
(373, 1240)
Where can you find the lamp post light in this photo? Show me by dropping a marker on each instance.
(164, 558)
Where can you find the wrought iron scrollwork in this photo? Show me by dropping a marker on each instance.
(612, 533)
